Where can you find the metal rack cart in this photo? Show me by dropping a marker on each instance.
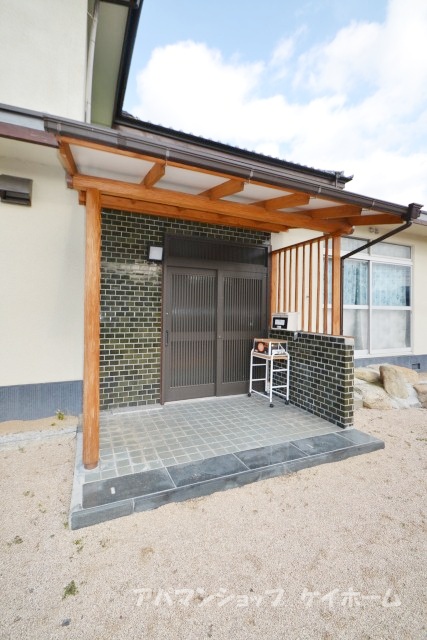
(273, 356)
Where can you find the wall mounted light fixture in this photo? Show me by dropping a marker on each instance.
(15, 190)
(155, 254)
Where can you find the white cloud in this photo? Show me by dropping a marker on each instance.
(190, 87)
(283, 52)
(363, 107)
(337, 65)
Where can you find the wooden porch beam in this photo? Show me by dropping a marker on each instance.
(284, 202)
(169, 211)
(200, 203)
(228, 188)
(92, 330)
(155, 174)
(232, 221)
(381, 218)
(342, 211)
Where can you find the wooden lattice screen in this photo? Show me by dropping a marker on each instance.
(306, 277)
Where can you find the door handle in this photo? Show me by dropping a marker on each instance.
(167, 338)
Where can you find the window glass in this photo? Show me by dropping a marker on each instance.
(349, 244)
(391, 285)
(391, 250)
(356, 325)
(356, 278)
(391, 329)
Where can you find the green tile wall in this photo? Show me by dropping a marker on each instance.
(322, 375)
(131, 295)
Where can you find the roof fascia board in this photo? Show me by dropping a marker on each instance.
(134, 14)
(25, 126)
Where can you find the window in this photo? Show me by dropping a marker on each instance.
(377, 296)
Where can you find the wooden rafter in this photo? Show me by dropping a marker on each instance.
(285, 202)
(202, 204)
(170, 211)
(66, 158)
(155, 174)
(228, 188)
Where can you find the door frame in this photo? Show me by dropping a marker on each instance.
(216, 265)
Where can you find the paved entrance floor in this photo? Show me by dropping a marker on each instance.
(191, 448)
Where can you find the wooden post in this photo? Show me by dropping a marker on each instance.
(303, 301)
(274, 283)
(319, 249)
(325, 285)
(285, 303)
(310, 287)
(296, 277)
(336, 285)
(92, 330)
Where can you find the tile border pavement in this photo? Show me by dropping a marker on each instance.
(309, 452)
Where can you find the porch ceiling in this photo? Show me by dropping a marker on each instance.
(140, 183)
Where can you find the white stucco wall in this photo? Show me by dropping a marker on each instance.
(419, 316)
(41, 273)
(293, 236)
(43, 55)
(416, 237)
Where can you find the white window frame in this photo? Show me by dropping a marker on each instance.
(367, 256)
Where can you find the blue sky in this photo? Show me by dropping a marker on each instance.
(332, 84)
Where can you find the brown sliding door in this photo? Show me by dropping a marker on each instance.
(210, 318)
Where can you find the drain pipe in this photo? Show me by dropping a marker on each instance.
(90, 59)
(413, 213)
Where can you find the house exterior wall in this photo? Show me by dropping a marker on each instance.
(45, 69)
(293, 236)
(41, 286)
(131, 299)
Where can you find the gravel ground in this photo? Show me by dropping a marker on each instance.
(338, 551)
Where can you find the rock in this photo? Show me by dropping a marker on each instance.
(366, 374)
(411, 402)
(421, 391)
(376, 367)
(374, 396)
(409, 375)
(393, 381)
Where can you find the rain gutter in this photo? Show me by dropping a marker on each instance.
(90, 60)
